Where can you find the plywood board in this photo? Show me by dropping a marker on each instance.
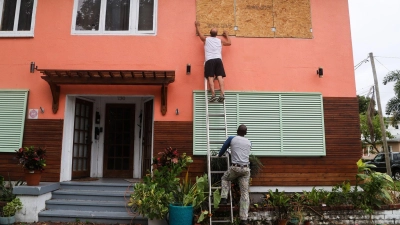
(254, 18)
(292, 18)
(215, 13)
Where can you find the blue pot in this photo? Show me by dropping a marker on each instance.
(180, 215)
(7, 220)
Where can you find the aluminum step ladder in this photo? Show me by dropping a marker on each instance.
(216, 110)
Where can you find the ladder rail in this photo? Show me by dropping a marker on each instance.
(209, 156)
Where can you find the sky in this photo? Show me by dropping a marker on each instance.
(375, 27)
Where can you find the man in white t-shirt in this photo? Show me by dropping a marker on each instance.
(213, 66)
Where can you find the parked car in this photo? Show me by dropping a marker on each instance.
(380, 163)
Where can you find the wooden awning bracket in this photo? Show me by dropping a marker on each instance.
(56, 78)
(164, 91)
(55, 92)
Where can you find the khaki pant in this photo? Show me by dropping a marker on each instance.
(243, 176)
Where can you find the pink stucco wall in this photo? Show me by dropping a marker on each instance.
(252, 64)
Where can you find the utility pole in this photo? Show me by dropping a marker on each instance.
(383, 127)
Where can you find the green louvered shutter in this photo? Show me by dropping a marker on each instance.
(279, 124)
(12, 119)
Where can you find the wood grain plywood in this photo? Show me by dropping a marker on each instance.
(215, 13)
(292, 18)
(254, 18)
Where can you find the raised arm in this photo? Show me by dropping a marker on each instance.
(201, 36)
(226, 41)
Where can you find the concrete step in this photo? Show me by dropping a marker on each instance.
(91, 216)
(90, 195)
(87, 205)
(122, 186)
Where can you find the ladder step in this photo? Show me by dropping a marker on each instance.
(216, 157)
(215, 188)
(216, 115)
(221, 221)
(217, 142)
(217, 171)
(217, 128)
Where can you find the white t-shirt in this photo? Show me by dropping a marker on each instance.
(212, 48)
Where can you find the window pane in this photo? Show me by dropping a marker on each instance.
(7, 21)
(146, 11)
(88, 15)
(117, 15)
(25, 15)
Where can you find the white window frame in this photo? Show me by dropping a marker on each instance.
(133, 21)
(15, 32)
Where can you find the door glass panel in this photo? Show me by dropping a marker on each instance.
(81, 138)
(126, 151)
(74, 165)
(117, 15)
(81, 151)
(146, 12)
(7, 20)
(88, 15)
(125, 164)
(77, 109)
(111, 152)
(117, 165)
(25, 15)
(75, 151)
(118, 152)
(110, 163)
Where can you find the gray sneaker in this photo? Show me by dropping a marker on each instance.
(212, 99)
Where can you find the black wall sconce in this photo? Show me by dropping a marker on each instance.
(177, 111)
(320, 72)
(188, 68)
(33, 67)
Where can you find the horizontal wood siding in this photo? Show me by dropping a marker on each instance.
(178, 134)
(343, 149)
(43, 133)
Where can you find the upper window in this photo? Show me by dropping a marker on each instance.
(114, 17)
(17, 18)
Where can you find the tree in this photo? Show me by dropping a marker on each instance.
(363, 104)
(376, 139)
(393, 106)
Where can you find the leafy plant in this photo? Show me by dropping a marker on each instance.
(12, 207)
(150, 200)
(155, 193)
(340, 195)
(255, 165)
(281, 201)
(6, 190)
(31, 158)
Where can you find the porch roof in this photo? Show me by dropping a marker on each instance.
(57, 77)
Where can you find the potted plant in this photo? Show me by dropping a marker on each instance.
(281, 202)
(33, 161)
(164, 190)
(9, 210)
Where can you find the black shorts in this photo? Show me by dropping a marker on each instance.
(214, 67)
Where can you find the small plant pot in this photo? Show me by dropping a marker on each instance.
(282, 222)
(7, 220)
(33, 177)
